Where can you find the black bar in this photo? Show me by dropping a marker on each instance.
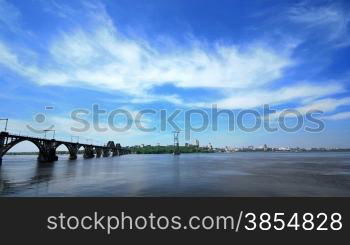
(27, 218)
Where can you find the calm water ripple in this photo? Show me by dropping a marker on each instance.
(218, 174)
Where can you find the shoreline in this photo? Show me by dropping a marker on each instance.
(163, 153)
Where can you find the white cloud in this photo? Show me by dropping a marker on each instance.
(325, 105)
(338, 116)
(105, 58)
(9, 16)
(253, 98)
(74, 50)
(331, 20)
(148, 98)
(97, 55)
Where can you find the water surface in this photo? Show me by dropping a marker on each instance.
(216, 174)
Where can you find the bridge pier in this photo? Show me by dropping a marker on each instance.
(47, 152)
(73, 157)
(73, 151)
(3, 136)
(47, 156)
(115, 152)
(47, 147)
(98, 152)
(89, 152)
(106, 152)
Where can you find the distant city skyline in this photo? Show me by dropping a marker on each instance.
(60, 56)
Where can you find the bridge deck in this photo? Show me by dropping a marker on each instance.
(31, 138)
(47, 147)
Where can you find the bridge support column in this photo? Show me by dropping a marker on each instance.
(89, 152)
(73, 152)
(47, 152)
(106, 152)
(73, 155)
(98, 152)
(49, 156)
(115, 152)
(3, 136)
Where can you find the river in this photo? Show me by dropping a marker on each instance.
(211, 174)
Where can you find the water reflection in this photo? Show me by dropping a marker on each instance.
(39, 181)
(238, 174)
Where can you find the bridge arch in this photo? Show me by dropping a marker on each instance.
(110, 144)
(10, 145)
(70, 147)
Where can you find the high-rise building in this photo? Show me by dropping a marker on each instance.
(197, 143)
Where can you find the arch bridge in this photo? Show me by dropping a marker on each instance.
(47, 147)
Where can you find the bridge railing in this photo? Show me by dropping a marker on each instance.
(16, 132)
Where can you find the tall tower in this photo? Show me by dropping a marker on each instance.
(176, 143)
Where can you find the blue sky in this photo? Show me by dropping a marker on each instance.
(177, 55)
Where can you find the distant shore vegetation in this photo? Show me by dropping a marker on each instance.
(148, 149)
(168, 149)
